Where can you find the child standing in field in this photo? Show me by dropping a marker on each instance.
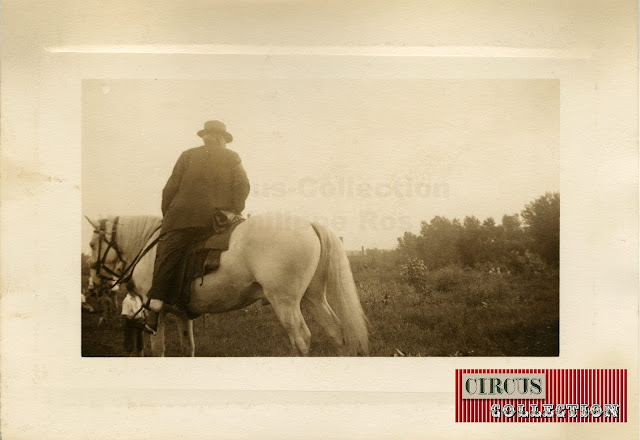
(133, 324)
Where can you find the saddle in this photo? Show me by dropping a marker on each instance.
(203, 256)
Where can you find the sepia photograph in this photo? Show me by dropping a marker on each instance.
(320, 220)
(322, 217)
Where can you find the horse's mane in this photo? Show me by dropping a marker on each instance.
(135, 231)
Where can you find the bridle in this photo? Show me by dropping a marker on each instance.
(110, 243)
(125, 274)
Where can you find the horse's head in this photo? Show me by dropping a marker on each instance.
(106, 261)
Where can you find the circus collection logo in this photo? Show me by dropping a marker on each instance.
(541, 395)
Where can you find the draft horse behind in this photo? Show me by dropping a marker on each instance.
(284, 259)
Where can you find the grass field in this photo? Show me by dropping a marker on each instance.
(456, 313)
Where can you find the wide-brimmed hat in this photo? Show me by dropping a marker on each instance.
(216, 127)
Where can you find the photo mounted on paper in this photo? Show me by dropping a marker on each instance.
(322, 217)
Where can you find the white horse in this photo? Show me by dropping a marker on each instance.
(284, 259)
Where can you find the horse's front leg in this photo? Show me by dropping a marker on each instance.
(185, 335)
(157, 340)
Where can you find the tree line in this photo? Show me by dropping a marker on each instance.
(526, 241)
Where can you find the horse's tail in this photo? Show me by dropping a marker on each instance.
(341, 291)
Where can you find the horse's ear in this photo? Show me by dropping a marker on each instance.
(92, 223)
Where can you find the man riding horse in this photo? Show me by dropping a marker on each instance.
(205, 180)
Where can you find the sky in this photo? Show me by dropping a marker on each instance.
(370, 158)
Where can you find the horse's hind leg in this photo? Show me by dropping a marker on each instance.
(290, 316)
(324, 314)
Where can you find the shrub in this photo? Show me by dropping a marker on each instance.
(448, 278)
(414, 272)
(526, 263)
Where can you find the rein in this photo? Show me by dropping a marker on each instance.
(113, 244)
(123, 276)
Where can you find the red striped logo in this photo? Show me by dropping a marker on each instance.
(543, 396)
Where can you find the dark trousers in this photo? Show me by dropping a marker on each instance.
(170, 256)
(132, 337)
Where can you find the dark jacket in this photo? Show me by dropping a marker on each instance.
(204, 180)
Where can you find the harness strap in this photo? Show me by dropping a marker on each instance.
(146, 305)
(124, 273)
(114, 241)
(110, 272)
(139, 310)
(123, 277)
(111, 243)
